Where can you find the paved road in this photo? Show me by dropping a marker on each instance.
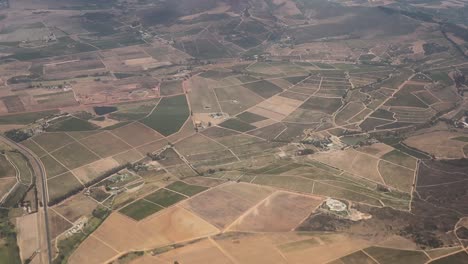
(40, 174)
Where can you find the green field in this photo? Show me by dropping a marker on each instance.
(140, 209)
(186, 189)
(6, 169)
(171, 88)
(400, 158)
(322, 104)
(263, 88)
(71, 124)
(164, 197)
(250, 117)
(26, 118)
(461, 138)
(236, 124)
(357, 257)
(389, 255)
(458, 258)
(133, 111)
(9, 251)
(21, 163)
(169, 115)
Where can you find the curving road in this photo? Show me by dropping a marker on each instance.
(40, 174)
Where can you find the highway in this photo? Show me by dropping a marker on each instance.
(40, 174)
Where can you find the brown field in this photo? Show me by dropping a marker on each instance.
(250, 249)
(397, 176)
(327, 248)
(129, 156)
(227, 202)
(5, 185)
(57, 224)
(96, 252)
(26, 231)
(167, 227)
(352, 161)
(305, 116)
(105, 144)
(378, 149)
(91, 171)
(439, 143)
(202, 96)
(235, 99)
(128, 132)
(278, 213)
(276, 107)
(197, 144)
(348, 112)
(203, 181)
(199, 253)
(152, 147)
(75, 207)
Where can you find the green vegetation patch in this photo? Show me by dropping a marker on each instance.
(169, 116)
(171, 87)
(133, 111)
(186, 189)
(26, 118)
(390, 255)
(263, 88)
(405, 98)
(165, 197)
(21, 163)
(356, 257)
(6, 169)
(400, 158)
(322, 104)
(250, 117)
(69, 244)
(71, 124)
(140, 209)
(236, 124)
(458, 258)
(324, 66)
(9, 251)
(461, 138)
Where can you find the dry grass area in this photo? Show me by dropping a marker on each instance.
(96, 252)
(276, 107)
(91, 171)
(167, 227)
(202, 252)
(75, 207)
(378, 149)
(441, 144)
(26, 227)
(221, 206)
(128, 134)
(278, 213)
(352, 161)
